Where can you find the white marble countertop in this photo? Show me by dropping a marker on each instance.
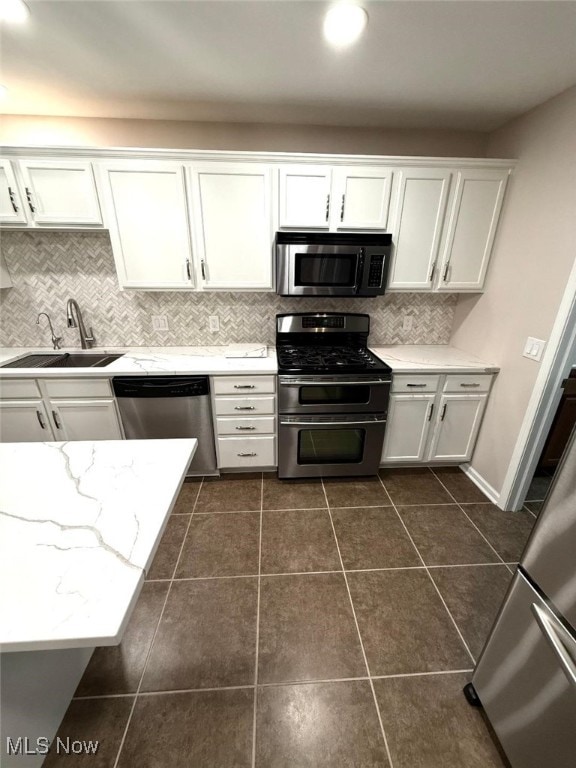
(79, 526)
(406, 358)
(143, 361)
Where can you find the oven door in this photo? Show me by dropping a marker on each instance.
(318, 270)
(315, 446)
(333, 394)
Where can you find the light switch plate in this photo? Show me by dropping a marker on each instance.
(407, 323)
(534, 349)
(160, 323)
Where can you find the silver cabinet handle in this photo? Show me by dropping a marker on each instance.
(188, 269)
(470, 385)
(57, 421)
(327, 207)
(203, 268)
(244, 386)
(40, 420)
(432, 272)
(13, 200)
(443, 412)
(244, 408)
(247, 454)
(445, 275)
(417, 385)
(550, 633)
(342, 208)
(244, 429)
(431, 411)
(29, 198)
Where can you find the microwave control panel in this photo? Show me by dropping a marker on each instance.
(375, 271)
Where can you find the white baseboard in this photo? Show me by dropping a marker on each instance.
(484, 486)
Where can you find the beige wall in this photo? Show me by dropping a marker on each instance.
(174, 134)
(533, 255)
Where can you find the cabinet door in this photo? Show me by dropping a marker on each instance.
(457, 426)
(24, 421)
(417, 227)
(361, 198)
(85, 420)
(305, 196)
(407, 427)
(148, 221)
(12, 209)
(61, 192)
(472, 223)
(232, 217)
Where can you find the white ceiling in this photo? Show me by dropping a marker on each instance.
(459, 64)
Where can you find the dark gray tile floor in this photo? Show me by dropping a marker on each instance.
(287, 624)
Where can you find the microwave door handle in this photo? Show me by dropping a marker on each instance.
(359, 270)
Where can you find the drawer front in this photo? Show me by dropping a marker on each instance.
(467, 382)
(246, 426)
(74, 388)
(239, 385)
(238, 452)
(18, 388)
(245, 406)
(414, 383)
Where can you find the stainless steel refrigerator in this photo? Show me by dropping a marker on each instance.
(526, 675)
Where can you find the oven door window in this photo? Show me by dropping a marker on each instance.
(331, 446)
(334, 394)
(325, 270)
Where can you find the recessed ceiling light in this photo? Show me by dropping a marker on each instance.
(13, 11)
(344, 23)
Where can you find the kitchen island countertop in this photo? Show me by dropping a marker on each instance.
(79, 526)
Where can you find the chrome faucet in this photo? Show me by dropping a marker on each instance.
(55, 339)
(86, 339)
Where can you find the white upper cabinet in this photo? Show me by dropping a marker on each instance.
(360, 198)
(471, 229)
(146, 213)
(420, 207)
(305, 196)
(233, 225)
(334, 198)
(60, 192)
(12, 210)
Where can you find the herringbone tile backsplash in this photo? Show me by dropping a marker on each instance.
(48, 268)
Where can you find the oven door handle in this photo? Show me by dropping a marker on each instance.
(375, 422)
(374, 382)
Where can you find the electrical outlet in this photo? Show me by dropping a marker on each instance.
(214, 323)
(160, 323)
(534, 349)
(407, 323)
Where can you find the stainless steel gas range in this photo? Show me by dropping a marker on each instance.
(332, 396)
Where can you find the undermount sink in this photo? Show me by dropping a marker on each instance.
(63, 360)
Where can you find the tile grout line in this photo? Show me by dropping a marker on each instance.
(378, 713)
(461, 636)
(127, 726)
(471, 521)
(257, 624)
(310, 509)
(529, 510)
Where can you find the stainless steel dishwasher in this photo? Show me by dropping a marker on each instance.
(156, 407)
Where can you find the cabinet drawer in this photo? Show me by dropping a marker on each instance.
(246, 426)
(244, 406)
(413, 383)
(238, 385)
(247, 451)
(77, 387)
(467, 383)
(18, 388)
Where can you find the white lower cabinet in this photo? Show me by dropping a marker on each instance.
(437, 424)
(60, 413)
(245, 427)
(24, 421)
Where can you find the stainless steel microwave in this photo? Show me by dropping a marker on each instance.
(331, 264)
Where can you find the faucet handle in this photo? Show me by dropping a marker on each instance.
(56, 341)
(89, 338)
